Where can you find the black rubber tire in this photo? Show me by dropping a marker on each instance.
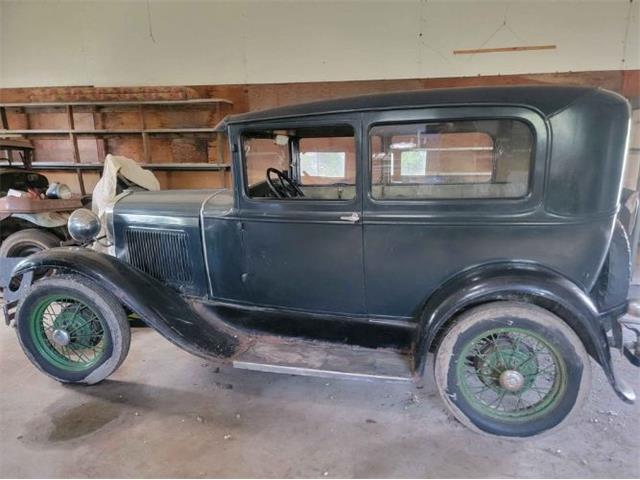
(525, 316)
(31, 238)
(102, 302)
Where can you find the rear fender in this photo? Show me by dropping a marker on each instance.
(520, 282)
(157, 305)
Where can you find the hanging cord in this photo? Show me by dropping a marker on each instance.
(625, 40)
(149, 22)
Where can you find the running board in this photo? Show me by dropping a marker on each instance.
(326, 360)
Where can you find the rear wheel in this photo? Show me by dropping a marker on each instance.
(512, 369)
(27, 242)
(72, 329)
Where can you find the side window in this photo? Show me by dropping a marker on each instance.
(261, 153)
(317, 163)
(449, 160)
(327, 161)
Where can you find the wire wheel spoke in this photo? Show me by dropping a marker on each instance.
(510, 373)
(68, 333)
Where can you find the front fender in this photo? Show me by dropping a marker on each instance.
(521, 282)
(157, 305)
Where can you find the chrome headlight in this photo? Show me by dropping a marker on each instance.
(83, 225)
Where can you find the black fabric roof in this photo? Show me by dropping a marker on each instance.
(545, 98)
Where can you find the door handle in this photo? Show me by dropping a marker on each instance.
(353, 218)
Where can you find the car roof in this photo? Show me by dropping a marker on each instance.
(548, 99)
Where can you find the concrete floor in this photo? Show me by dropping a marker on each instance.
(166, 413)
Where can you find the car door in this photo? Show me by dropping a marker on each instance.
(303, 253)
(445, 188)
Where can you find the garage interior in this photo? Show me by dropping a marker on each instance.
(150, 80)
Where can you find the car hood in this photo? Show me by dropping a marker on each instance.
(170, 203)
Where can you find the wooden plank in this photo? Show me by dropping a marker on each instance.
(187, 167)
(631, 86)
(27, 205)
(106, 94)
(23, 131)
(146, 146)
(27, 122)
(3, 118)
(106, 103)
(101, 143)
(473, 51)
(218, 136)
(74, 143)
(124, 131)
(4, 122)
(15, 142)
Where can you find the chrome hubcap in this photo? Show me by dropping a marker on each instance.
(511, 380)
(61, 337)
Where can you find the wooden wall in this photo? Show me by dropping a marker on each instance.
(261, 96)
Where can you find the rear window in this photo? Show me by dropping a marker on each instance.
(449, 160)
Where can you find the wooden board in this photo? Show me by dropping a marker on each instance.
(29, 205)
(473, 51)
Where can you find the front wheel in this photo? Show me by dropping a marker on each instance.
(72, 329)
(512, 369)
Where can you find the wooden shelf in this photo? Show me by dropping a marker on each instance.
(98, 108)
(190, 167)
(120, 103)
(123, 131)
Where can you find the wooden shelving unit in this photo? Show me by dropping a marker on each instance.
(185, 167)
(97, 110)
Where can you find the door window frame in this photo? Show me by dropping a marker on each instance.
(268, 204)
(434, 207)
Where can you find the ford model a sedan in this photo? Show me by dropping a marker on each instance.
(363, 234)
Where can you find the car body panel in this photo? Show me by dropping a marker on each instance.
(398, 287)
(589, 148)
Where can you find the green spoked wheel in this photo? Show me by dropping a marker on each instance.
(68, 332)
(72, 329)
(512, 374)
(512, 369)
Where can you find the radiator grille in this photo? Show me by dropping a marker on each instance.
(163, 254)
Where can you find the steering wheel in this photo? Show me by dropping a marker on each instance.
(285, 188)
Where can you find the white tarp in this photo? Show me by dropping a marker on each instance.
(105, 190)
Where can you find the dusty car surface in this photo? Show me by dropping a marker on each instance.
(363, 234)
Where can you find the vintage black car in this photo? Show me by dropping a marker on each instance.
(362, 234)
